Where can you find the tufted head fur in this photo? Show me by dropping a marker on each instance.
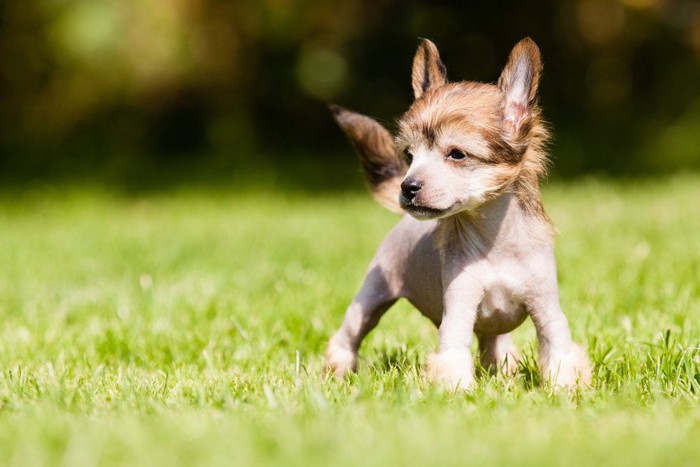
(468, 142)
(459, 144)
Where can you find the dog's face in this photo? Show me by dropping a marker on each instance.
(464, 142)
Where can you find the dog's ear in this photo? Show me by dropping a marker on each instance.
(518, 83)
(428, 70)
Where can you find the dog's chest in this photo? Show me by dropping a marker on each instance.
(501, 309)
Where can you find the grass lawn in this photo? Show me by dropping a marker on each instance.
(188, 328)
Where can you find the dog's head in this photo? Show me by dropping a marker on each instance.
(467, 142)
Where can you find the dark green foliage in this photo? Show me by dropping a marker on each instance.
(199, 90)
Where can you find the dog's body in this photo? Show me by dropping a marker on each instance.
(477, 253)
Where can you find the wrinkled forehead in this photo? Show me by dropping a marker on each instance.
(455, 111)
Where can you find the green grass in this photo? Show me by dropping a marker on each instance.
(188, 327)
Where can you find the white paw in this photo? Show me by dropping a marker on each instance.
(340, 358)
(570, 370)
(453, 369)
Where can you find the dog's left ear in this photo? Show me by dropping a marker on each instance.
(428, 70)
(518, 83)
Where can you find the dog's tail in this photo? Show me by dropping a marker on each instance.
(375, 147)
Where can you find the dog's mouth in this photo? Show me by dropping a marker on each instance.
(421, 212)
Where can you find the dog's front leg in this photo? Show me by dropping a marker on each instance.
(363, 314)
(562, 362)
(453, 365)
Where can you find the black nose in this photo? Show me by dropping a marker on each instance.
(410, 187)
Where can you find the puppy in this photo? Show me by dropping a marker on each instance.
(475, 254)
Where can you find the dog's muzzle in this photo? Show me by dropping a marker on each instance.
(410, 188)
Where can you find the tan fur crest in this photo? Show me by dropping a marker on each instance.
(472, 110)
(498, 126)
(504, 155)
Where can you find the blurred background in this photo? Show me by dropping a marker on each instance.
(161, 92)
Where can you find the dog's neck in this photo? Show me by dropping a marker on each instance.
(503, 222)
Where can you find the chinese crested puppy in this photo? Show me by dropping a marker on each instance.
(475, 252)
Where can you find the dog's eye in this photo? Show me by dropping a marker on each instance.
(457, 155)
(408, 156)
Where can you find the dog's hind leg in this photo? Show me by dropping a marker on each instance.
(363, 314)
(498, 353)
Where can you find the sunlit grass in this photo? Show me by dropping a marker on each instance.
(188, 328)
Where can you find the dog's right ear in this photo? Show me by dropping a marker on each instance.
(376, 150)
(518, 83)
(428, 70)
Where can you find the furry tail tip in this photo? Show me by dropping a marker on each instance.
(375, 148)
